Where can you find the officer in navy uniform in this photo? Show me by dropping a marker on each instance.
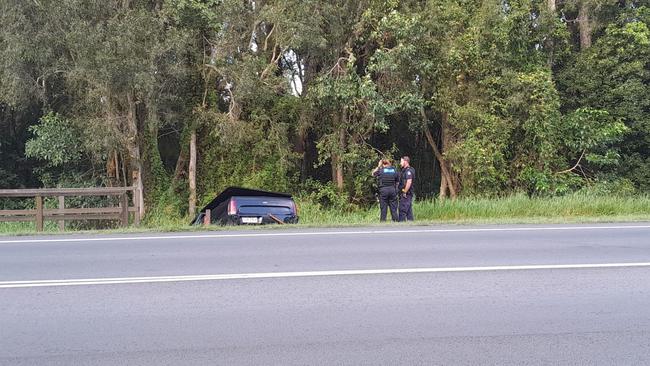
(407, 177)
(387, 178)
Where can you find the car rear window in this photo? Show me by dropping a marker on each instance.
(264, 210)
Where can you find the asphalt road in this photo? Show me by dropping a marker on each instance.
(492, 295)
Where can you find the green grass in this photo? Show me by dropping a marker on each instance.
(515, 209)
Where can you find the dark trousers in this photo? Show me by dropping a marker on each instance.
(406, 207)
(388, 198)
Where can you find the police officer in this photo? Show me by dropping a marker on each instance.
(387, 178)
(407, 177)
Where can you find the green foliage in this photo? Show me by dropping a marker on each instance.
(64, 159)
(193, 14)
(305, 95)
(325, 197)
(614, 76)
(166, 207)
(482, 154)
(251, 153)
(56, 141)
(609, 188)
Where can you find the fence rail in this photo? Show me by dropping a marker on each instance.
(63, 214)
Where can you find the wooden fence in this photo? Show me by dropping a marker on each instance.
(63, 214)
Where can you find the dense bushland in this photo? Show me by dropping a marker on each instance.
(185, 97)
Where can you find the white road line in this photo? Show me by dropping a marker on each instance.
(322, 233)
(272, 275)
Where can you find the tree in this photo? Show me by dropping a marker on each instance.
(614, 75)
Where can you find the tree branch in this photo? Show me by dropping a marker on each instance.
(575, 166)
(274, 61)
(337, 66)
(266, 40)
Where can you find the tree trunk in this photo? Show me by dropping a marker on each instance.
(550, 44)
(112, 170)
(337, 172)
(301, 149)
(113, 160)
(446, 180)
(125, 177)
(340, 183)
(179, 171)
(584, 25)
(443, 187)
(306, 74)
(337, 161)
(138, 199)
(117, 168)
(453, 181)
(192, 173)
(134, 153)
(445, 174)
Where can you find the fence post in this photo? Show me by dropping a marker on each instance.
(207, 217)
(136, 204)
(138, 196)
(39, 213)
(124, 202)
(61, 212)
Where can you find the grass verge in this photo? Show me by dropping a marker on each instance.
(513, 209)
(510, 210)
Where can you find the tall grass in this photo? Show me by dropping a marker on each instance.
(519, 208)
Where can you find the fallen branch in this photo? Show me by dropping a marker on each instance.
(274, 218)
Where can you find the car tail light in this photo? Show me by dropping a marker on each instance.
(232, 207)
(295, 208)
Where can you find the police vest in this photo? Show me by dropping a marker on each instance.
(387, 177)
(408, 173)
